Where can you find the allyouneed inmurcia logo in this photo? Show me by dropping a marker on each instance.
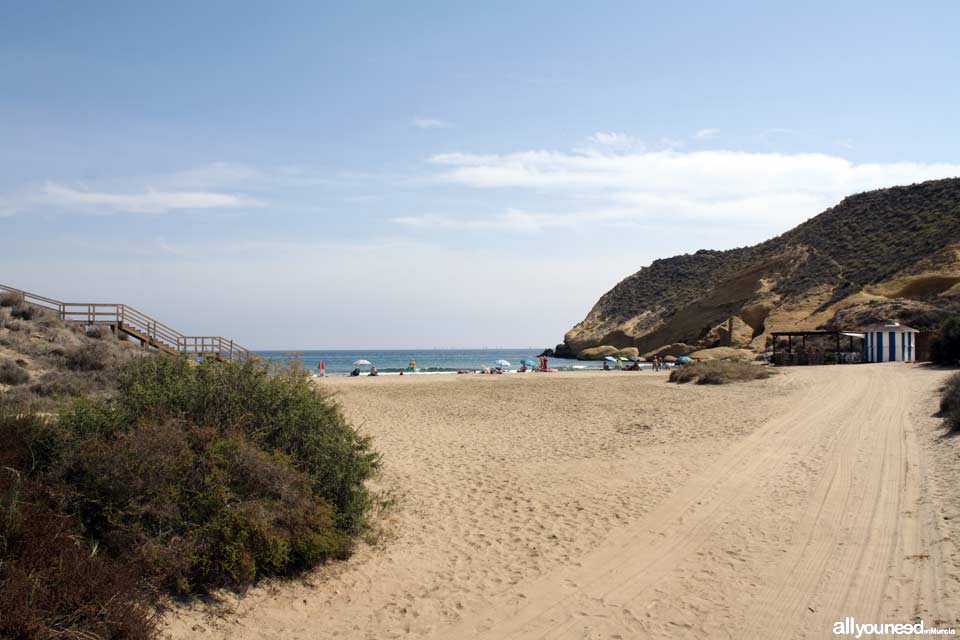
(850, 627)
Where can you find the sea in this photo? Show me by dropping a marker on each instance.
(429, 361)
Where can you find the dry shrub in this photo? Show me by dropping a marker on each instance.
(26, 312)
(13, 374)
(945, 345)
(96, 332)
(58, 384)
(53, 584)
(89, 357)
(11, 299)
(950, 402)
(719, 372)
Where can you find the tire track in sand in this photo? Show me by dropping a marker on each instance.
(856, 507)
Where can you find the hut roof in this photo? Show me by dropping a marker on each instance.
(889, 326)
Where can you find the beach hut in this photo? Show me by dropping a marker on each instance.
(890, 342)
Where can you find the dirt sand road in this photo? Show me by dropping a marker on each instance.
(621, 506)
(818, 515)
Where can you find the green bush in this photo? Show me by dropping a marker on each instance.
(217, 474)
(190, 477)
(945, 345)
(283, 413)
(198, 508)
(719, 372)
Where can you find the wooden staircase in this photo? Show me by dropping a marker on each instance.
(127, 320)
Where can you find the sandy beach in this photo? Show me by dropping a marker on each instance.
(617, 505)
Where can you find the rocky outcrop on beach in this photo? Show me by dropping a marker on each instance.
(887, 254)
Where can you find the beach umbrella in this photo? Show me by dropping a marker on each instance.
(528, 362)
(361, 363)
(610, 359)
(684, 359)
(502, 363)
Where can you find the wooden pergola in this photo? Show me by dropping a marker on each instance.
(803, 335)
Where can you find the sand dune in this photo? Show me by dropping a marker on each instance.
(615, 505)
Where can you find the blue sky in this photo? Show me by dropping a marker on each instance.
(439, 174)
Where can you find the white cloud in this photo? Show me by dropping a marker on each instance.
(616, 141)
(706, 133)
(148, 202)
(430, 123)
(511, 220)
(216, 185)
(778, 190)
(671, 143)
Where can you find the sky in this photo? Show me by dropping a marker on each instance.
(308, 175)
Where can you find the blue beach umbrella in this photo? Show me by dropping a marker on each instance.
(610, 359)
(528, 362)
(502, 363)
(684, 359)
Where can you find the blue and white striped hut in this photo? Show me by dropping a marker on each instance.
(890, 342)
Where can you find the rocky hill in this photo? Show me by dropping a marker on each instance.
(892, 253)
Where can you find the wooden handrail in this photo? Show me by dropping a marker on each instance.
(138, 324)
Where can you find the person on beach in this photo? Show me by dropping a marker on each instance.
(355, 372)
(321, 369)
(606, 366)
(373, 371)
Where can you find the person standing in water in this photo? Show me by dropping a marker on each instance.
(412, 365)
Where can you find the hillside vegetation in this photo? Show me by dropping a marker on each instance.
(44, 360)
(146, 474)
(892, 252)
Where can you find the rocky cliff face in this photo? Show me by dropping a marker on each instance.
(894, 251)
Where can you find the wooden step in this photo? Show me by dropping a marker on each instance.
(147, 339)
